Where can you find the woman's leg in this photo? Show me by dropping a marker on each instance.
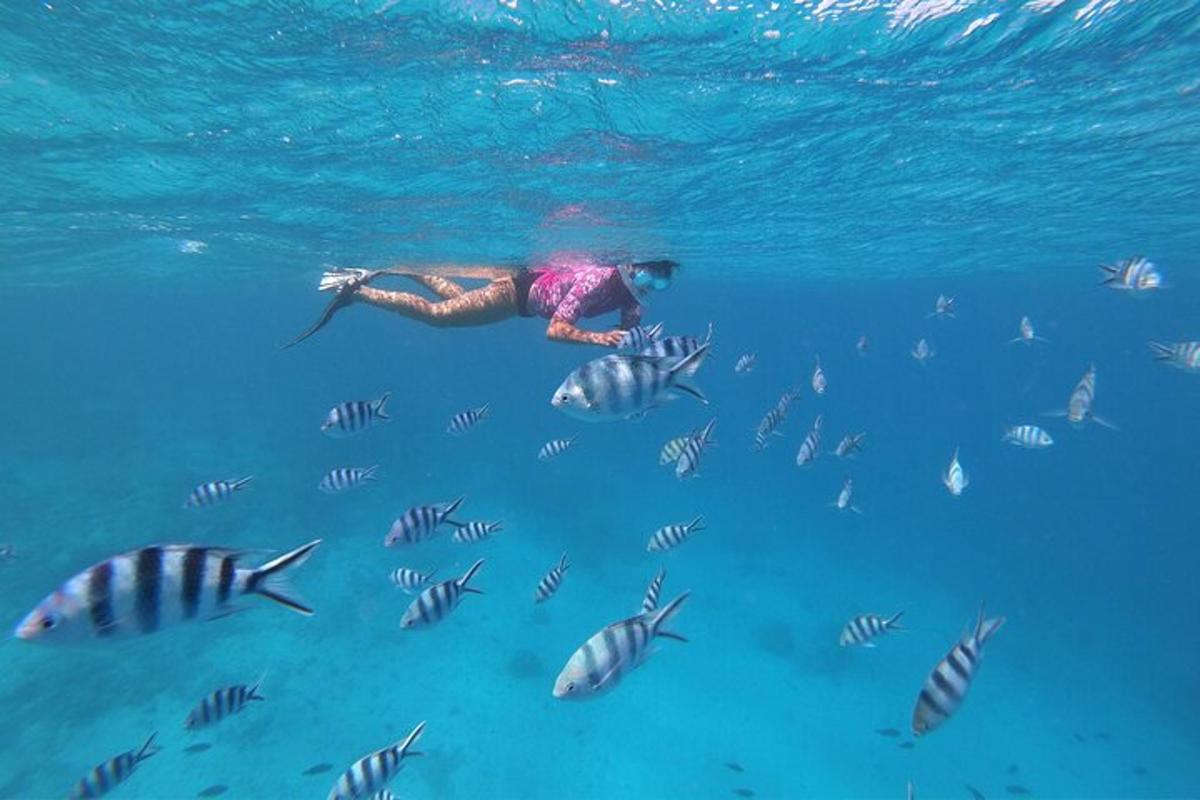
(492, 303)
(442, 287)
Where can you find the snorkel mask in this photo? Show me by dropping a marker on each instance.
(641, 277)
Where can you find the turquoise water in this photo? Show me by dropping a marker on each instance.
(177, 179)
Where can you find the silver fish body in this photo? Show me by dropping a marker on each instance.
(435, 603)
(1025, 333)
(671, 450)
(771, 421)
(103, 778)
(810, 448)
(1134, 275)
(947, 685)
(555, 447)
(464, 421)
(678, 347)
(1181, 355)
(639, 338)
(863, 345)
(653, 590)
(420, 523)
(955, 478)
(845, 498)
(819, 383)
(745, 363)
(688, 465)
(620, 387)
(865, 627)
(343, 479)
(670, 536)
(943, 307)
(1028, 436)
(850, 444)
(411, 580)
(212, 492)
(371, 773)
(221, 704)
(1083, 397)
(550, 582)
(355, 416)
(922, 351)
(474, 532)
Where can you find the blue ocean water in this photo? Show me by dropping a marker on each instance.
(177, 178)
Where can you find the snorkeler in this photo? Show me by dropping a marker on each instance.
(561, 290)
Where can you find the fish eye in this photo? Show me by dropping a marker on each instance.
(564, 398)
(571, 687)
(49, 622)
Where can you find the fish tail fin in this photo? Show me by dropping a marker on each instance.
(148, 749)
(686, 367)
(892, 623)
(406, 744)
(240, 483)
(1102, 422)
(380, 410)
(452, 507)
(695, 525)
(661, 617)
(1110, 274)
(654, 331)
(252, 693)
(1160, 351)
(985, 626)
(708, 336)
(563, 564)
(369, 472)
(270, 580)
(483, 410)
(466, 577)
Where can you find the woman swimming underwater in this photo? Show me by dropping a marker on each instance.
(562, 290)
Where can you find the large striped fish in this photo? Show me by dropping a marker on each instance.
(550, 582)
(146, 590)
(626, 387)
(947, 684)
(669, 536)
(355, 416)
(1083, 397)
(435, 603)
(419, 523)
(1025, 333)
(104, 777)
(955, 478)
(1133, 275)
(222, 703)
(371, 773)
(463, 421)
(343, 479)
(865, 627)
(810, 448)
(688, 465)
(639, 338)
(615, 651)
(1028, 436)
(650, 599)
(1181, 355)
(214, 492)
(676, 347)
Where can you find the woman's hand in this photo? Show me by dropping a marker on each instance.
(610, 338)
(561, 331)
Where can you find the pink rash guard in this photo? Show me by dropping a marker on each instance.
(568, 289)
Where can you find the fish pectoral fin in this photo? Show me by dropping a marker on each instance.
(672, 635)
(226, 612)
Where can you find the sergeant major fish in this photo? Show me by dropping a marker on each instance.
(355, 416)
(555, 447)
(818, 379)
(955, 478)
(811, 446)
(420, 523)
(922, 352)
(1025, 333)
(474, 532)
(845, 498)
(372, 772)
(1134, 275)
(411, 580)
(688, 465)
(653, 589)
(550, 582)
(947, 684)
(146, 590)
(670, 536)
(435, 603)
(463, 421)
(943, 307)
(214, 492)
(343, 479)
(1079, 404)
(221, 704)
(850, 444)
(865, 627)
(638, 337)
(675, 347)
(1028, 436)
(624, 387)
(105, 777)
(671, 450)
(1181, 355)
(745, 363)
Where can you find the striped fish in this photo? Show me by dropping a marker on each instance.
(474, 532)
(863, 345)
(355, 416)
(419, 523)
(810, 448)
(845, 498)
(688, 465)
(1079, 404)
(669, 536)
(671, 450)
(1181, 355)
(7, 552)
(942, 307)
(650, 600)
(850, 444)
(639, 337)
(550, 582)
(1132, 275)
(410, 580)
(615, 651)
(435, 603)
(947, 684)
(105, 777)
(146, 590)
(221, 704)
(818, 379)
(771, 421)
(371, 773)
(679, 347)
(626, 387)
(865, 627)
(1025, 333)
(463, 421)
(555, 447)
(746, 363)
(1030, 436)
(384, 794)
(922, 351)
(214, 492)
(343, 478)
(955, 478)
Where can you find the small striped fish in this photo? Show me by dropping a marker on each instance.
(850, 444)
(671, 450)
(1079, 404)
(435, 603)
(604, 659)
(410, 580)
(650, 600)
(688, 465)
(221, 704)
(1025, 333)
(955, 478)
(7, 552)
(669, 536)
(865, 627)
(146, 590)
(214, 492)
(371, 773)
(1182, 355)
(947, 684)
(626, 387)
(1132, 275)
(863, 345)
(550, 582)
(104, 777)
(343, 478)
(355, 416)
(555, 447)
(810, 448)
(746, 363)
(942, 307)
(678, 348)
(1030, 436)
(771, 421)
(463, 421)
(419, 523)
(384, 794)
(922, 351)
(845, 498)
(474, 532)
(818, 379)
(639, 337)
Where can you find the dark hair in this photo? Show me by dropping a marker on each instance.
(664, 267)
